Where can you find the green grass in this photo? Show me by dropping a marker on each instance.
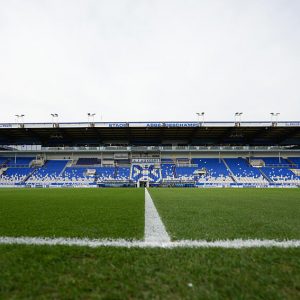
(213, 214)
(94, 213)
(39, 272)
(61, 272)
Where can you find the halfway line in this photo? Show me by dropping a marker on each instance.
(155, 231)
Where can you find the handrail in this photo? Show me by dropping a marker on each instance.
(168, 148)
(39, 148)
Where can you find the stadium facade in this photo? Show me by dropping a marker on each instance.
(191, 154)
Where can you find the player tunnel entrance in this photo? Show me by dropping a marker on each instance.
(143, 183)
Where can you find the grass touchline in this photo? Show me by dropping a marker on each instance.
(94, 243)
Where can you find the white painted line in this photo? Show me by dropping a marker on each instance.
(237, 244)
(70, 242)
(155, 231)
(93, 243)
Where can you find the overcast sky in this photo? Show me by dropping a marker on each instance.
(132, 60)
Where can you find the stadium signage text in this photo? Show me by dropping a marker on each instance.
(5, 126)
(118, 124)
(172, 124)
(292, 124)
(155, 124)
(145, 160)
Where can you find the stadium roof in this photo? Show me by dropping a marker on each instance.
(151, 133)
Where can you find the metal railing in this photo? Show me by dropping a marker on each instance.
(39, 148)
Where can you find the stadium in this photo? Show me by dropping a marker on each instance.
(198, 208)
(186, 154)
(149, 149)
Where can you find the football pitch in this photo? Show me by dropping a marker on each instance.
(165, 244)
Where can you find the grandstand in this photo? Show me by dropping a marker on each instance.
(224, 154)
